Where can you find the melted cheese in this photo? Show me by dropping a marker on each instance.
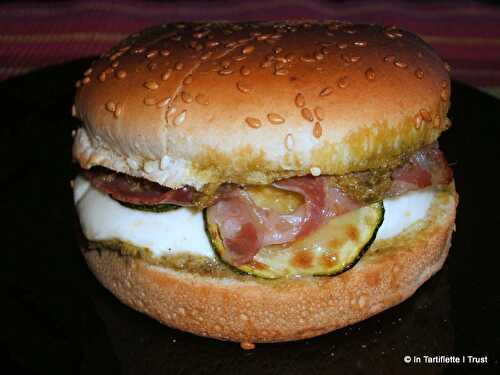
(182, 230)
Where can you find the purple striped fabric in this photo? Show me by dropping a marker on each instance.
(37, 34)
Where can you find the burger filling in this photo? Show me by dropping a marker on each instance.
(254, 228)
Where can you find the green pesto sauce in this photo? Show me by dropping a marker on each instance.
(182, 262)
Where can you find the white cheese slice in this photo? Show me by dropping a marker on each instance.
(402, 211)
(182, 230)
(171, 232)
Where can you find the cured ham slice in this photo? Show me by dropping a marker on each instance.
(246, 227)
(134, 190)
(425, 167)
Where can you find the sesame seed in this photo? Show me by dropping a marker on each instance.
(151, 54)
(110, 106)
(200, 34)
(307, 114)
(277, 50)
(152, 66)
(447, 67)
(281, 72)
(300, 100)
(186, 97)
(444, 84)
(389, 58)
(180, 118)
(253, 122)
(266, 64)
(86, 80)
(244, 71)
(289, 142)
(165, 52)
(444, 95)
(342, 82)
(275, 119)
(248, 49)
(87, 72)
(307, 59)
(212, 44)
(315, 171)
(320, 113)
(400, 64)
(425, 115)
(437, 121)
(419, 73)
(166, 75)
(115, 64)
(370, 74)
(121, 74)
(360, 44)
(170, 112)
(151, 85)
(243, 87)
(206, 56)
(78, 83)
(118, 110)
(290, 57)
(163, 102)
(319, 56)
(201, 99)
(326, 91)
(102, 77)
(355, 58)
(179, 66)
(342, 45)
(239, 57)
(73, 110)
(317, 130)
(188, 80)
(225, 72)
(418, 122)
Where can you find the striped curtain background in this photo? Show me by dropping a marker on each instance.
(37, 34)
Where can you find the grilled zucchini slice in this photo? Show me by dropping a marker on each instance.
(151, 208)
(332, 249)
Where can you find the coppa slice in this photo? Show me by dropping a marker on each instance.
(334, 248)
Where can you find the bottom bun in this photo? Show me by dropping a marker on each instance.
(257, 310)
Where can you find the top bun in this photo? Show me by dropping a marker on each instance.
(249, 103)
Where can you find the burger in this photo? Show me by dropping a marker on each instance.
(264, 182)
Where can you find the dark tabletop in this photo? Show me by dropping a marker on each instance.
(58, 319)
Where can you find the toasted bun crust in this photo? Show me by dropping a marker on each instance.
(197, 104)
(287, 309)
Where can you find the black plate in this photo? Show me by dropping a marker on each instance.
(59, 319)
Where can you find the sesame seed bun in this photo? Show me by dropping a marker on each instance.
(285, 309)
(197, 104)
